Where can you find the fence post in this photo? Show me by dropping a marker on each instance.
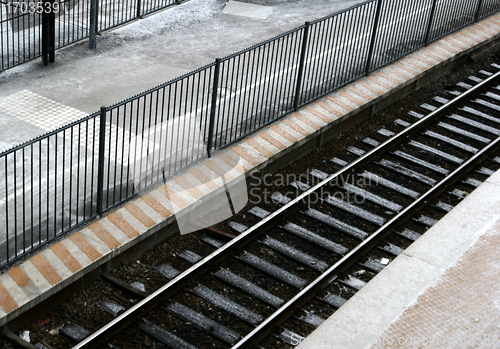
(479, 5)
(48, 33)
(300, 73)
(139, 5)
(52, 33)
(374, 36)
(100, 168)
(429, 25)
(45, 39)
(45, 36)
(93, 24)
(211, 125)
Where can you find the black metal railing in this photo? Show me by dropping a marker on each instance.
(48, 186)
(22, 23)
(112, 13)
(68, 177)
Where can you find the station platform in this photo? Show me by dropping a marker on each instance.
(56, 266)
(442, 292)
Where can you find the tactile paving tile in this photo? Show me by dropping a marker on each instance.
(39, 111)
(50, 115)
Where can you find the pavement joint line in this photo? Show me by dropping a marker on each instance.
(99, 252)
(423, 261)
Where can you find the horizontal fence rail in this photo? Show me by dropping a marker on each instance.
(69, 177)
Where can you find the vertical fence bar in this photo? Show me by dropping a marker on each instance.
(100, 168)
(478, 10)
(93, 24)
(215, 87)
(429, 25)
(7, 244)
(374, 36)
(303, 51)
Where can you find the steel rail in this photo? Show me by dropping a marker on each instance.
(349, 259)
(283, 313)
(228, 249)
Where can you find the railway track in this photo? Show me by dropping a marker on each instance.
(301, 255)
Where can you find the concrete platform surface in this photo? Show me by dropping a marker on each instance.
(442, 292)
(148, 52)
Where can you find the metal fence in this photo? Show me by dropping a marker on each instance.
(66, 178)
(21, 23)
(112, 13)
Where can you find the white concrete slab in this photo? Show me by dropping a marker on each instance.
(56, 263)
(238, 8)
(15, 291)
(81, 257)
(455, 232)
(95, 241)
(134, 222)
(494, 179)
(114, 230)
(40, 284)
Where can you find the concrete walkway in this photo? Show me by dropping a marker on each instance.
(140, 56)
